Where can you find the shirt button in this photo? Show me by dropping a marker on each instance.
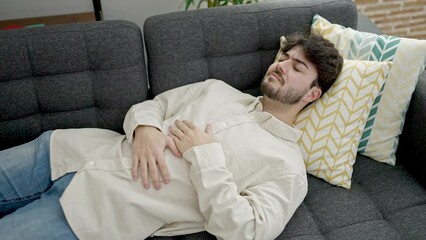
(222, 124)
(91, 163)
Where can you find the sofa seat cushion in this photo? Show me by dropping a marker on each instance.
(385, 202)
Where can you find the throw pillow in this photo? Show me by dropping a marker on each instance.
(333, 124)
(386, 119)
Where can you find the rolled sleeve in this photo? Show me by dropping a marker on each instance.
(149, 113)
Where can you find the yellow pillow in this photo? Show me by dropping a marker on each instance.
(332, 125)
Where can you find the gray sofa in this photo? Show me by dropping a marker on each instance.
(88, 75)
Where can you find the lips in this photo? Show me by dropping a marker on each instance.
(277, 76)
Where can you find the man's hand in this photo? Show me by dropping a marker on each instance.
(148, 155)
(186, 135)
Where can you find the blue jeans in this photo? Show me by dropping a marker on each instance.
(27, 191)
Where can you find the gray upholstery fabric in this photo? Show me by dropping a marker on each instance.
(366, 25)
(88, 75)
(82, 75)
(235, 44)
(411, 149)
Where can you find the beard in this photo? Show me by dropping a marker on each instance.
(289, 96)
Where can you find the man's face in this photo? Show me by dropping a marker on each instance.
(289, 79)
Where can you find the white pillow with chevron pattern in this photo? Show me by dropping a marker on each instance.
(386, 119)
(333, 124)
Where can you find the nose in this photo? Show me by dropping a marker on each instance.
(282, 67)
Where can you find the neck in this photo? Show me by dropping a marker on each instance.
(281, 111)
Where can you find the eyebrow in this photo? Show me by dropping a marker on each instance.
(297, 60)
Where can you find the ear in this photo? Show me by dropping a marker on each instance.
(313, 94)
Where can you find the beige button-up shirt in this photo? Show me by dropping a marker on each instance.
(245, 186)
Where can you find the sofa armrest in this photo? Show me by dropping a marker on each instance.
(366, 25)
(411, 150)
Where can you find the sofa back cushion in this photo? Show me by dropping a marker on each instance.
(235, 44)
(68, 76)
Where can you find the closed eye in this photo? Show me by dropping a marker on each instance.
(286, 56)
(297, 70)
(282, 58)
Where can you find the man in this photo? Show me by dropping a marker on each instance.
(219, 160)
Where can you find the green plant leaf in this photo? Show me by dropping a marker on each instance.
(188, 3)
(217, 3)
(200, 2)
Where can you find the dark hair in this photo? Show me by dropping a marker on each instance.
(321, 53)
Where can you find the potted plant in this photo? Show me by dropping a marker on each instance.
(216, 3)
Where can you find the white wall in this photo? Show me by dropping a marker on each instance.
(133, 10)
(16, 9)
(138, 10)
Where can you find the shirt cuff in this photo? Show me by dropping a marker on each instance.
(205, 156)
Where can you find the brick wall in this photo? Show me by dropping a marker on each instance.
(403, 18)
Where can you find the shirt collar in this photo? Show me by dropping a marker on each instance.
(273, 125)
(281, 129)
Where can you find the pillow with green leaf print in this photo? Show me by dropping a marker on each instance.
(386, 119)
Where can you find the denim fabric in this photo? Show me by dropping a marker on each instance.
(28, 194)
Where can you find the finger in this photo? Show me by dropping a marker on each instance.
(143, 168)
(181, 125)
(135, 166)
(189, 124)
(176, 141)
(153, 172)
(172, 146)
(161, 163)
(209, 129)
(176, 132)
